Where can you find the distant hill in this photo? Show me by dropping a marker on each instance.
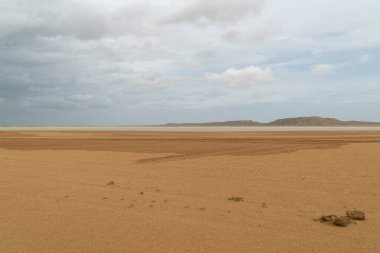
(319, 121)
(300, 121)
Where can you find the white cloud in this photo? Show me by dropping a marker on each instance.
(216, 11)
(364, 58)
(242, 77)
(323, 69)
(327, 69)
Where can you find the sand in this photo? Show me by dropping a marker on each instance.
(78, 191)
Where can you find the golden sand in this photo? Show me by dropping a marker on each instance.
(177, 191)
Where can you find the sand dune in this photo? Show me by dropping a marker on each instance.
(177, 192)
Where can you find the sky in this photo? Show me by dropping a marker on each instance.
(120, 62)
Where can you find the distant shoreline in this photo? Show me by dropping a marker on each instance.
(193, 128)
(306, 123)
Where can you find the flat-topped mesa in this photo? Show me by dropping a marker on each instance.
(307, 121)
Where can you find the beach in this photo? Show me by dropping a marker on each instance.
(188, 191)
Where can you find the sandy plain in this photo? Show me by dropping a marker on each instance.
(170, 191)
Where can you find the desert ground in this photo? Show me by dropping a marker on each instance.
(104, 191)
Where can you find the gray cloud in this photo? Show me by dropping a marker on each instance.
(218, 11)
(72, 102)
(85, 20)
(66, 59)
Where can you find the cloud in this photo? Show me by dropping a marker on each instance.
(71, 102)
(125, 55)
(247, 35)
(323, 69)
(327, 69)
(250, 75)
(217, 11)
(364, 58)
(264, 32)
(90, 100)
(231, 35)
(86, 20)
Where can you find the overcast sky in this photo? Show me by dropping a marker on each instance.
(113, 62)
